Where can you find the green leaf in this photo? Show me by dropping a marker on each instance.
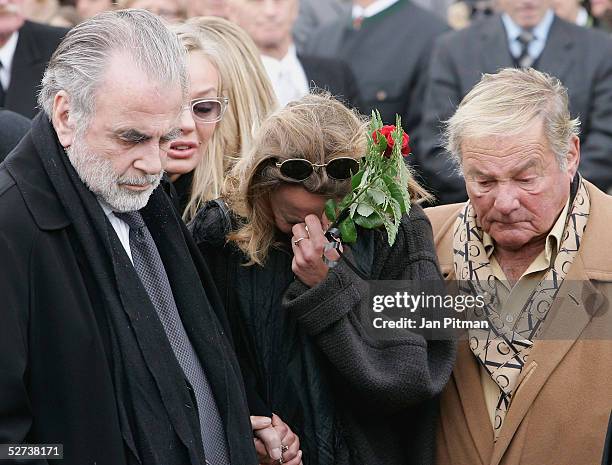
(396, 211)
(345, 202)
(348, 231)
(381, 142)
(330, 210)
(363, 209)
(378, 196)
(396, 192)
(370, 222)
(356, 179)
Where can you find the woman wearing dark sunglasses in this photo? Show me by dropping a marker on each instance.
(296, 323)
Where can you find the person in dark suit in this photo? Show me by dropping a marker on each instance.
(312, 15)
(113, 339)
(581, 58)
(387, 44)
(25, 49)
(13, 127)
(292, 75)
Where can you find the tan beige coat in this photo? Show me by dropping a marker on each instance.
(559, 413)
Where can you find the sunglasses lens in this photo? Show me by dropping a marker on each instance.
(342, 168)
(206, 110)
(296, 169)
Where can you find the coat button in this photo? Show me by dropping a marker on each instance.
(381, 95)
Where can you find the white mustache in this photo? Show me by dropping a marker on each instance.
(139, 180)
(10, 9)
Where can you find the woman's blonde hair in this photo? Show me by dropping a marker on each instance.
(244, 81)
(317, 128)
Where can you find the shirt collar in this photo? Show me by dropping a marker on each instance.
(553, 238)
(372, 9)
(7, 51)
(582, 18)
(540, 32)
(108, 210)
(289, 61)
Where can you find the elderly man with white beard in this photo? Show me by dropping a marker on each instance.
(112, 341)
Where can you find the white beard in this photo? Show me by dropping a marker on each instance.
(98, 174)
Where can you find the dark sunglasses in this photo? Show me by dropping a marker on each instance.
(340, 168)
(208, 110)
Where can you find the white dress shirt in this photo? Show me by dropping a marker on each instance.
(287, 76)
(372, 9)
(121, 227)
(7, 51)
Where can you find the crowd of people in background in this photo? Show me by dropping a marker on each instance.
(343, 47)
(165, 169)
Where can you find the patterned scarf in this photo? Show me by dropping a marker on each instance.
(502, 349)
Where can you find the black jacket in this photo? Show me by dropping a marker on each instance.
(335, 76)
(13, 127)
(35, 45)
(389, 56)
(354, 399)
(56, 383)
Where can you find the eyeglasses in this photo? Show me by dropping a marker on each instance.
(340, 168)
(208, 110)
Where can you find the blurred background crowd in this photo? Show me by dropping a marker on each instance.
(414, 58)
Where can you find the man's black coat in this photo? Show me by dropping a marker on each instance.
(56, 384)
(335, 76)
(35, 45)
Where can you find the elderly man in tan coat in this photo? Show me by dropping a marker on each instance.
(534, 240)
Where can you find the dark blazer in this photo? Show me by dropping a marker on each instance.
(332, 75)
(56, 382)
(13, 127)
(389, 55)
(35, 45)
(581, 58)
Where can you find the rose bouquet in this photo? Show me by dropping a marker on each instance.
(379, 195)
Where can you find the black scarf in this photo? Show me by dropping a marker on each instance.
(157, 411)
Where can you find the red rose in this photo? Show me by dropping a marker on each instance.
(386, 131)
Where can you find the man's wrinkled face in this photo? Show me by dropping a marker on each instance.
(11, 18)
(121, 155)
(525, 13)
(268, 22)
(516, 186)
(207, 8)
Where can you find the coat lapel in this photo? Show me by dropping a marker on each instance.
(27, 67)
(557, 59)
(565, 323)
(495, 54)
(472, 401)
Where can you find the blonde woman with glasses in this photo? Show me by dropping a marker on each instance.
(229, 96)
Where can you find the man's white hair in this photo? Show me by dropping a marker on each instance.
(508, 103)
(79, 64)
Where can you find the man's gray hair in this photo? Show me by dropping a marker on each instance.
(508, 103)
(81, 60)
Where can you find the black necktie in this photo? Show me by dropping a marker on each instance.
(525, 60)
(2, 93)
(151, 271)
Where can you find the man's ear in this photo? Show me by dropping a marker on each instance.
(573, 156)
(62, 123)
